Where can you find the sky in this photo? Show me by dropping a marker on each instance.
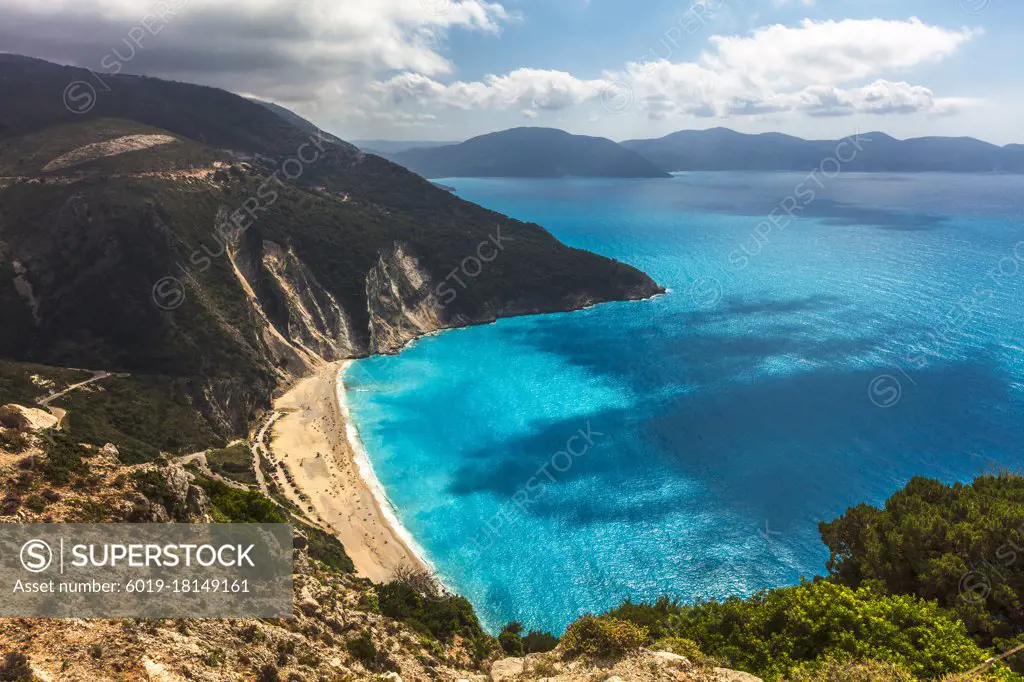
(623, 69)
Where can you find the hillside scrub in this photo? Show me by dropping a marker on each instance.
(959, 544)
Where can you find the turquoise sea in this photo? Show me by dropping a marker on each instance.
(689, 445)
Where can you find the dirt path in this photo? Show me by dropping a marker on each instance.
(261, 449)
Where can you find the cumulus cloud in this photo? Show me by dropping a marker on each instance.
(529, 89)
(822, 68)
(386, 59)
(306, 51)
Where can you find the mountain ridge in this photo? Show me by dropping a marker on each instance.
(723, 149)
(529, 152)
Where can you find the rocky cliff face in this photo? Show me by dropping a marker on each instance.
(315, 320)
(400, 302)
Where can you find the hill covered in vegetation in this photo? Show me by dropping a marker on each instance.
(529, 153)
(178, 231)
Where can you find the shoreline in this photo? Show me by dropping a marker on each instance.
(312, 440)
(368, 474)
(321, 446)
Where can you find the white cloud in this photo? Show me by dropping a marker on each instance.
(821, 68)
(306, 51)
(530, 89)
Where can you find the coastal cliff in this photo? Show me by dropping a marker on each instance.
(234, 253)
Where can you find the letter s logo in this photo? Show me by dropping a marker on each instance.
(36, 556)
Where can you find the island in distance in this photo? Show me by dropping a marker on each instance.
(529, 153)
(551, 153)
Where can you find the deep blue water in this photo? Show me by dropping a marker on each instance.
(786, 377)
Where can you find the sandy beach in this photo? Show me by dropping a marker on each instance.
(311, 439)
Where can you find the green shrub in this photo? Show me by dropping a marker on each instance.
(63, 459)
(537, 642)
(603, 636)
(482, 648)
(214, 658)
(442, 617)
(231, 505)
(16, 668)
(368, 601)
(13, 441)
(234, 462)
(36, 503)
(511, 643)
(651, 616)
(856, 671)
(328, 549)
(252, 634)
(961, 545)
(268, 673)
(363, 649)
(774, 632)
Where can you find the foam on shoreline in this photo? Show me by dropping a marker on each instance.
(369, 476)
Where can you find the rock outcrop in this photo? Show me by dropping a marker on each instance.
(642, 666)
(23, 418)
(401, 304)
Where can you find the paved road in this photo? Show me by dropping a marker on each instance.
(97, 375)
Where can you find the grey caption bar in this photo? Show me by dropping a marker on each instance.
(145, 570)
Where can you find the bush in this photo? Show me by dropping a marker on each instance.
(511, 643)
(651, 616)
(251, 633)
(537, 642)
(860, 671)
(234, 462)
(363, 649)
(268, 673)
(774, 632)
(63, 459)
(603, 636)
(328, 549)
(13, 441)
(441, 617)
(16, 668)
(482, 648)
(368, 601)
(930, 539)
(231, 505)
(36, 503)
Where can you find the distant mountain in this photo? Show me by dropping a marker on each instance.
(724, 149)
(385, 147)
(293, 118)
(529, 153)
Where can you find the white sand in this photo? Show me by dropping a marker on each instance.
(312, 439)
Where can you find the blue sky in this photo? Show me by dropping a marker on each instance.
(980, 76)
(450, 69)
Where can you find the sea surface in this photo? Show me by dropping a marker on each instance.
(796, 367)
